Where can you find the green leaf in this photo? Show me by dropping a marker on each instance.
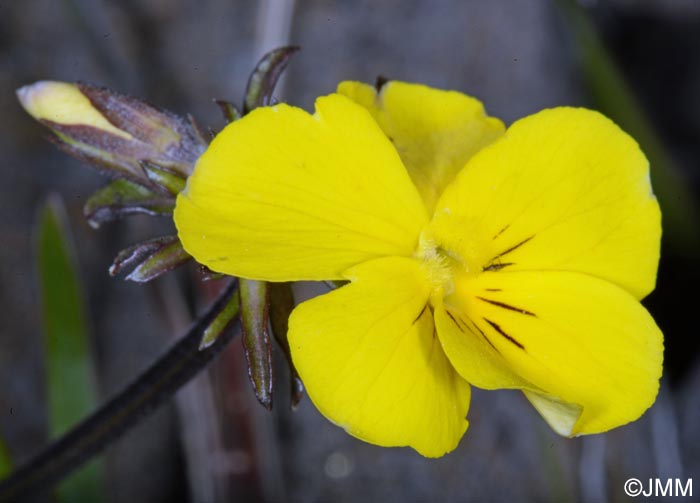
(5, 460)
(70, 379)
(262, 81)
(154, 387)
(121, 198)
(615, 98)
(256, 337)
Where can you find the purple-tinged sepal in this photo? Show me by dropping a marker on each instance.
(150, 259)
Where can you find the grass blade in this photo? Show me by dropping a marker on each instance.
(613, 96)
(70, 383)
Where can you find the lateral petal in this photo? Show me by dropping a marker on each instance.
(591, 353)
(564, 189)
(434, 131)
(371, 362)
(282, 195)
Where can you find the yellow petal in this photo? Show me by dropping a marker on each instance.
(434, 131)
(371, 362)
(564, 189)
(63, 103)
(471, 351)
(592, 355)
(282, 195)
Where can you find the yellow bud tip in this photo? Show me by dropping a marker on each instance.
(63, 103)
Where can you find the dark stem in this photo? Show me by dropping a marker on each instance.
(156, 385)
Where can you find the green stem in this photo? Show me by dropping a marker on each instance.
(156, 385)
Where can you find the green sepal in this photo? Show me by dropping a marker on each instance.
(166, 182)
(228, 110)
(173, 141)
(267, 72)
(207, 274)
(256, 337)
(222, 320)
(150, 259)
(121, 198)
(281, 306)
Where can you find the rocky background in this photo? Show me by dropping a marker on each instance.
(516, 56)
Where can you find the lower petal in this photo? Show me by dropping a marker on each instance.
(591, 354)
(371, 362)
(472, 352)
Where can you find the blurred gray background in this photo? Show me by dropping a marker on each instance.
(517, 56)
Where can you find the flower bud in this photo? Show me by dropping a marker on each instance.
(115, 133)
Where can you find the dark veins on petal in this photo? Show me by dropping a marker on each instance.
(492, 265)
(506, 306)
(462, 326)
(498, 329)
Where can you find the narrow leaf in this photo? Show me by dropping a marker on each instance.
(229, 110)
(5, 460)
(256, 338)
(70, 381)
(267, 72)
(121, 198)
(222, 320)
(281, 306)
(150, 259)
(154, 387)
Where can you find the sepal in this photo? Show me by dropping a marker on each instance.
(281, 306)
(222, 320)
(163, 180)
(150, 259)
(121, 198)
(228, 110)
(267, 72)
(256, 337)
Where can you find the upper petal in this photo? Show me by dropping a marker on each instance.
(564, 189)
(589, 355)
(371, 362)
(434, 131)
(283, 195)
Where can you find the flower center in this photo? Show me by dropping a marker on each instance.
(441, 264)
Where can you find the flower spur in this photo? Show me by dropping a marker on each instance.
(476, 256)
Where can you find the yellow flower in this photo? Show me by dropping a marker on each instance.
(500, 259)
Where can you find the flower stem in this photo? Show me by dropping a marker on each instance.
(156, 385)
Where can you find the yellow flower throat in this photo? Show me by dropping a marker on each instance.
(442, 265)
